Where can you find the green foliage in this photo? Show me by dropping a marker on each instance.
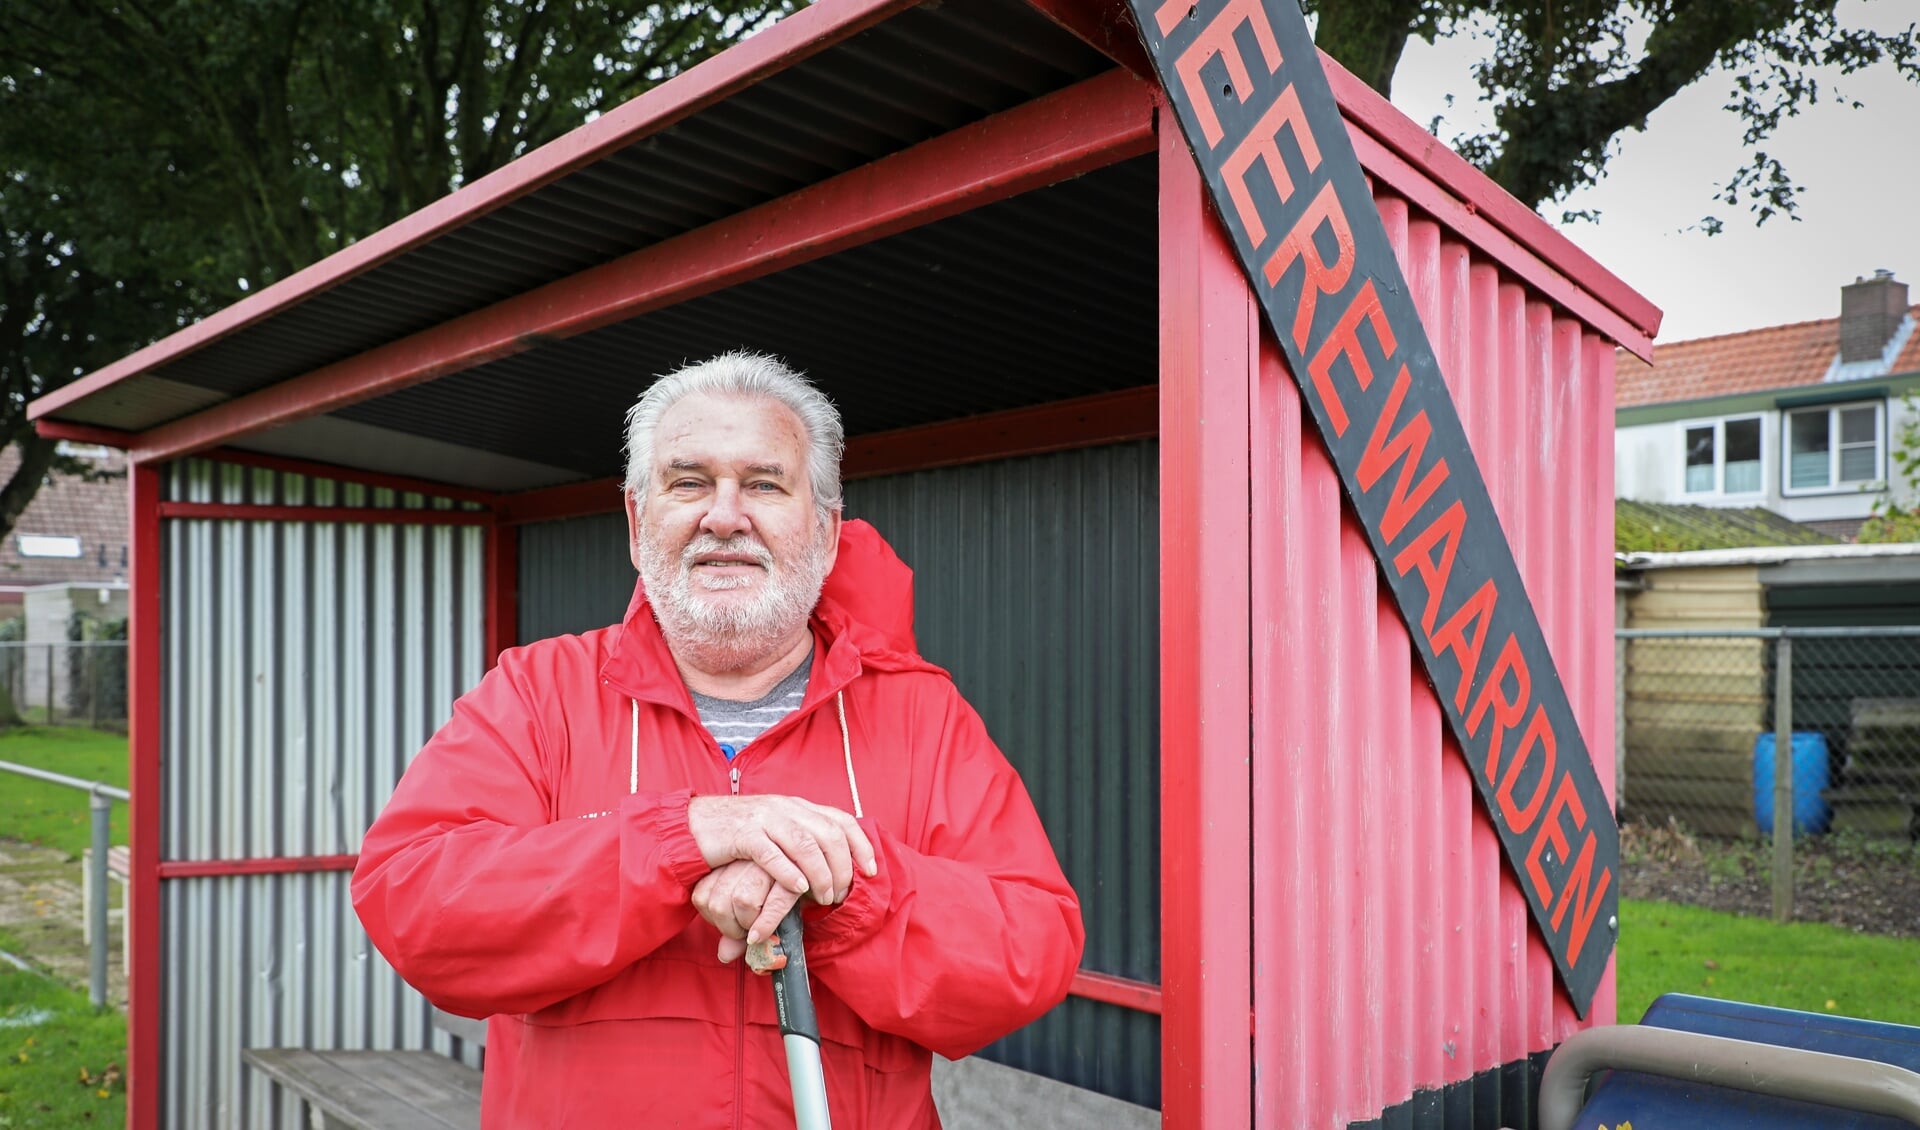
(60, 1061)
(96, 675)
(1669, 948)
(51, 815)
(1565, 78)
(1666, 527)
(161, 158)
(1891, 520)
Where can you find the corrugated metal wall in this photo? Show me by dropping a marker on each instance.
(1036, 582)
(1396, 969)
(574, 575)
(1037, 585)
(303, 665)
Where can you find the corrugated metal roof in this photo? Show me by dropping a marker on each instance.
(1046, 296)
(922, 73)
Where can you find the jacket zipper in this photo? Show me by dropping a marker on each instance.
(739, 1009)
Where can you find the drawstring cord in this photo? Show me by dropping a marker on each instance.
(846, 747)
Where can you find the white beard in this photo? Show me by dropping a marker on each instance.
(726, 636)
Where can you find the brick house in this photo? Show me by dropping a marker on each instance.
(1799, 419)
(73, 532)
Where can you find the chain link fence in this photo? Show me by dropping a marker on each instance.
(68, 683)
(1704, 724)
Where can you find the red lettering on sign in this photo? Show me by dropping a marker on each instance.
(1405, 447)
(1322, 277)
(1445, 532)
(1344, 341)
(1508, 708)
(1585, 895)
(1475, 615)
(1263, 144)
(1217, 39)
(1551, 834)
(1539, 735)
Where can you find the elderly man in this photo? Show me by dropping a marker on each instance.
(585, 850)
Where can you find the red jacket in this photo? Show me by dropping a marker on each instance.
(513, 875)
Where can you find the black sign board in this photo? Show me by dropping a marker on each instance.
(1246, 83)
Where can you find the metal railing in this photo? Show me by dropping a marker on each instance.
(102, 798)
(67, 682)
(1779, 732)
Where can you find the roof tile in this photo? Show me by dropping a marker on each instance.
(1759, 360)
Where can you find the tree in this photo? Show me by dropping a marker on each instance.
(160, 158)
(1893, 520)
(1565, 78)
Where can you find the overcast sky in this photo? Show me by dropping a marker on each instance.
(1860, 208)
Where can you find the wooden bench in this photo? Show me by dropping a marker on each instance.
(382, 1090)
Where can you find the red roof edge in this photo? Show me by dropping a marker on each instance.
(796, 37)
(1365, 107)
(1101, 24)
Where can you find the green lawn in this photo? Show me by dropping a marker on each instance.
(1666, 948)
(44, 813)
(60, 1062)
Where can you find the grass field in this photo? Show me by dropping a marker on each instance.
(40, 812)
(60, 1062)
(1666, 947)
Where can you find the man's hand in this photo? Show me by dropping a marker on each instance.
(743, 903)
(802, 847)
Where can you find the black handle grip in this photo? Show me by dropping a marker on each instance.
(792, 998)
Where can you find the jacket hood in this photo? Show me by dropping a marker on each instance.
(865, 610)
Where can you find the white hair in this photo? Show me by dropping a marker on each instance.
(748, 375)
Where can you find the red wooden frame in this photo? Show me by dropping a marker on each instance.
(1066, 425)
(1209, 331)
(805, 33)
(83, 433)
(502, 591)
(572, 500)
(366, 515)
(1087, 421)
(279, 865)
(125, 441)
(1104, 25)
(147, 805)
(1087, 126)
(1121, 991)
(313, 469)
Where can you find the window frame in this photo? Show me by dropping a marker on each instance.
(1834, 484)
(1719, 426)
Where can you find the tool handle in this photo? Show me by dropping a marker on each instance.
(800, 1028)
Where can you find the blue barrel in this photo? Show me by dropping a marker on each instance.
(1810, 779)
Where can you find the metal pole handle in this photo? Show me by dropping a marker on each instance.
(800, 1029)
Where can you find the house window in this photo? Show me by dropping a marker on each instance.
(1723, 457)
(47, 545)
(1830, 448)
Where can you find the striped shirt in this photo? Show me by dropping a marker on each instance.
(734, 724)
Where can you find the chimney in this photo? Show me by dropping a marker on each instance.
(1870, 312)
